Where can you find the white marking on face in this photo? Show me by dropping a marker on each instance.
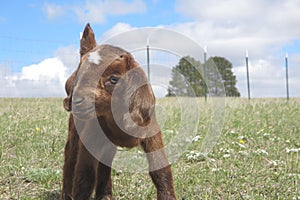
(94, 57)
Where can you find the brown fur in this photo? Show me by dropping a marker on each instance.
(91, 85)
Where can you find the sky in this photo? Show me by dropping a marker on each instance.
(39, 40)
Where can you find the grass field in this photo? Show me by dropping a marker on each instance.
(256, 157)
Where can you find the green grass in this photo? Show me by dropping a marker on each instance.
(256, 157)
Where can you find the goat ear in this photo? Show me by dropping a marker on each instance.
(142, 101)
(68, 103)
(131, 63)
(69, 91)
(87, 42)
(145, 103)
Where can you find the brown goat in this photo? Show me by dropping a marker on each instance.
(111, 104)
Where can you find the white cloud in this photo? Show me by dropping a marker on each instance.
(275, 21)
(262, 27)
(53, 11)
(69, 56)
(50, 68)
(95, 11)
(228, 29)
(266, 79)
(45, 79)
(252, 17)
(229, 33)
(115, 30)
(223, 11)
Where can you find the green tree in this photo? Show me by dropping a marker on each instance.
(187, 78)
(228, 78)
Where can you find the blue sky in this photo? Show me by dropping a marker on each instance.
(35, 33)
(25, 26)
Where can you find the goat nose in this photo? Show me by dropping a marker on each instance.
(77, 100)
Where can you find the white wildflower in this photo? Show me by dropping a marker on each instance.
(241, 145)
(215, 169)
(226, 155)
(293, 150)
(193, 155)
(242, 137)
(196, 138)
(262, 151)
(243, 153)
(266, 134)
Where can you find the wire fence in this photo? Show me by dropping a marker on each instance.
(18, 55)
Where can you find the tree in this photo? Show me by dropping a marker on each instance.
(187, 78)
(229, 79)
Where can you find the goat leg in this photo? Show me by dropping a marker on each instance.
(159, 167)
(71, 150)
(85, 174)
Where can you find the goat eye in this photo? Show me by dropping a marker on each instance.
(114, 79)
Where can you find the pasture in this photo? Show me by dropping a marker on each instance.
(256, 157)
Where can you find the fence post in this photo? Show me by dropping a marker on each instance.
(148, 62)
(204, 74)
(247, 70)
(287, 77)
